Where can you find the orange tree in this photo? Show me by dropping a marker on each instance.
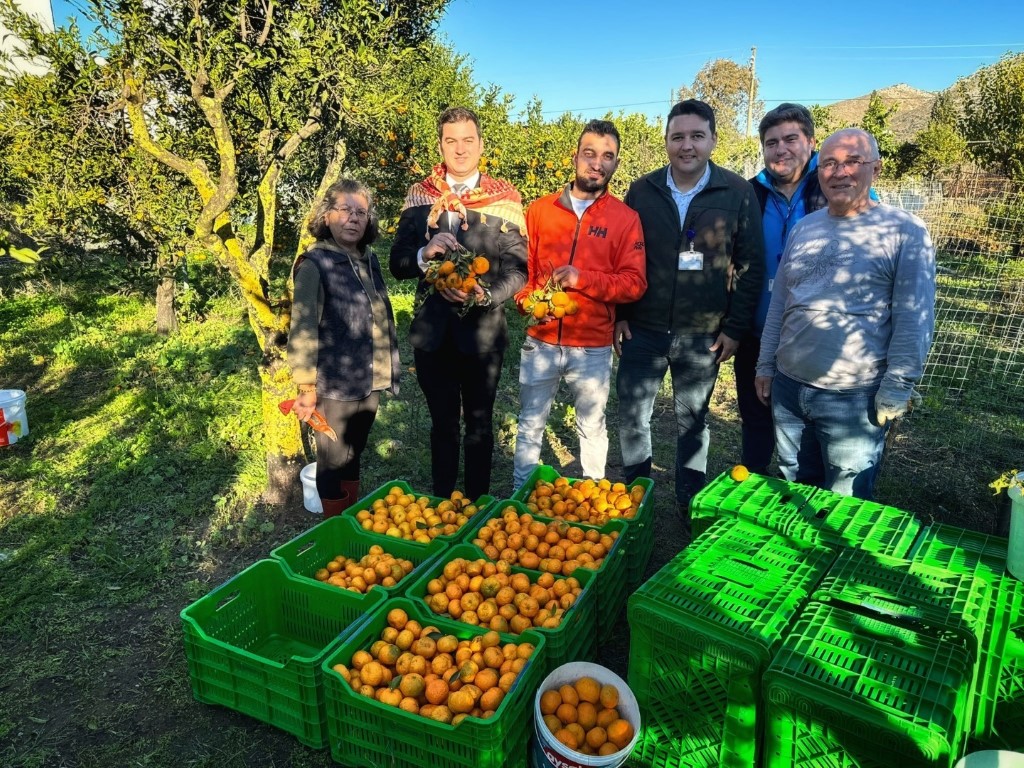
(252, 104)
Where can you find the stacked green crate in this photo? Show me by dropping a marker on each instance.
(808, 514)
(725, 497)
(999, 697)
(848, 690)
(255, 645)
(436, 544)
(574, 639)
(609, 577)
(702, 631)
(640, 528)
(365, 733)
(308, 552)
(923, 596)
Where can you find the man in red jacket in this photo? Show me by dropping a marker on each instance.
(591, 246)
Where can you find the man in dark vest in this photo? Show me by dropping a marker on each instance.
(459, 354)
(787, 190)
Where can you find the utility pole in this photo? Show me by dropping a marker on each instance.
(750, 91)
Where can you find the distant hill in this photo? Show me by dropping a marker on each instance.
(911, 116)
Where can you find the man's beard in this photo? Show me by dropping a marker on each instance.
(590, 187)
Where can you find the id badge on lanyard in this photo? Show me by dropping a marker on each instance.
(691, 260)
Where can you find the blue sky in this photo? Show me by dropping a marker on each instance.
(587, 57)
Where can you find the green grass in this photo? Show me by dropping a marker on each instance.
(138, 491)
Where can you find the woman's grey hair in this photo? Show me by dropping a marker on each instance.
(318, 219)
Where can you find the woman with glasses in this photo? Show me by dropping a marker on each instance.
(342, 347)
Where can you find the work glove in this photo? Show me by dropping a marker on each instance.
(888, 408)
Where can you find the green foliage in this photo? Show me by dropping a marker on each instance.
(825, 122)
(993, 119)
(876, 122)
(726, 87)
(938, 148)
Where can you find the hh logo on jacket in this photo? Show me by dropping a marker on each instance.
(598, 231)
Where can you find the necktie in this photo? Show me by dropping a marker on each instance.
(460, 189)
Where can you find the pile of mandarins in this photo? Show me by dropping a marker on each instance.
(593, 502)
(405, 516)
(375, 567)
(488, 595)
(419, 670)
(555, 547)
(460, 271)
(585, 717)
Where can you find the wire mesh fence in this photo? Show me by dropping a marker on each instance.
(972, 424)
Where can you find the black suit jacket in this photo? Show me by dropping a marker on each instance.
(436, 321)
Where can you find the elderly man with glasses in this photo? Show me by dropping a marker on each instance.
(849, 325)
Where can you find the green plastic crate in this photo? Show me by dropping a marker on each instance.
(923, 596)
(365, 733)
(308, 552)
(847, 689)
(999, 718)
(574, 639)
(725, 497)
(640, 530)
(961, 550)
(609, 578)
(809, 514)
(255, 645)
(1008, 722)
(702, 631)
(438, 543)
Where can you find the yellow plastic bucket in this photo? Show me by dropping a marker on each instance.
(13, 419)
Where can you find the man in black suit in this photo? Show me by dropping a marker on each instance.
(459, 352)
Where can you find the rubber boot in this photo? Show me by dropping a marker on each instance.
(334, 507)
(350, 489)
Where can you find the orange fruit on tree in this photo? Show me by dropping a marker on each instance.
(739, 473)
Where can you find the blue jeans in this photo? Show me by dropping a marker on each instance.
(827, 438)
(645, 359)
(588, 373)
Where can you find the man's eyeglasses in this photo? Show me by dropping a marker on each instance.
(352, 213)
(849, 166)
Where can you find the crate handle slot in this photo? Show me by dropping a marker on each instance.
(306, 548)
(823, 513)
(223, 603)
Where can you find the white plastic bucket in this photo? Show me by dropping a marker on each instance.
(1015, 551)
(548, 752)
(13, 419)
(991, 758)
(310, 498)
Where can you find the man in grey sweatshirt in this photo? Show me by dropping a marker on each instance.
(849, 325)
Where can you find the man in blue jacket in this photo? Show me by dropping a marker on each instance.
(787, 190)
(705, 266)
